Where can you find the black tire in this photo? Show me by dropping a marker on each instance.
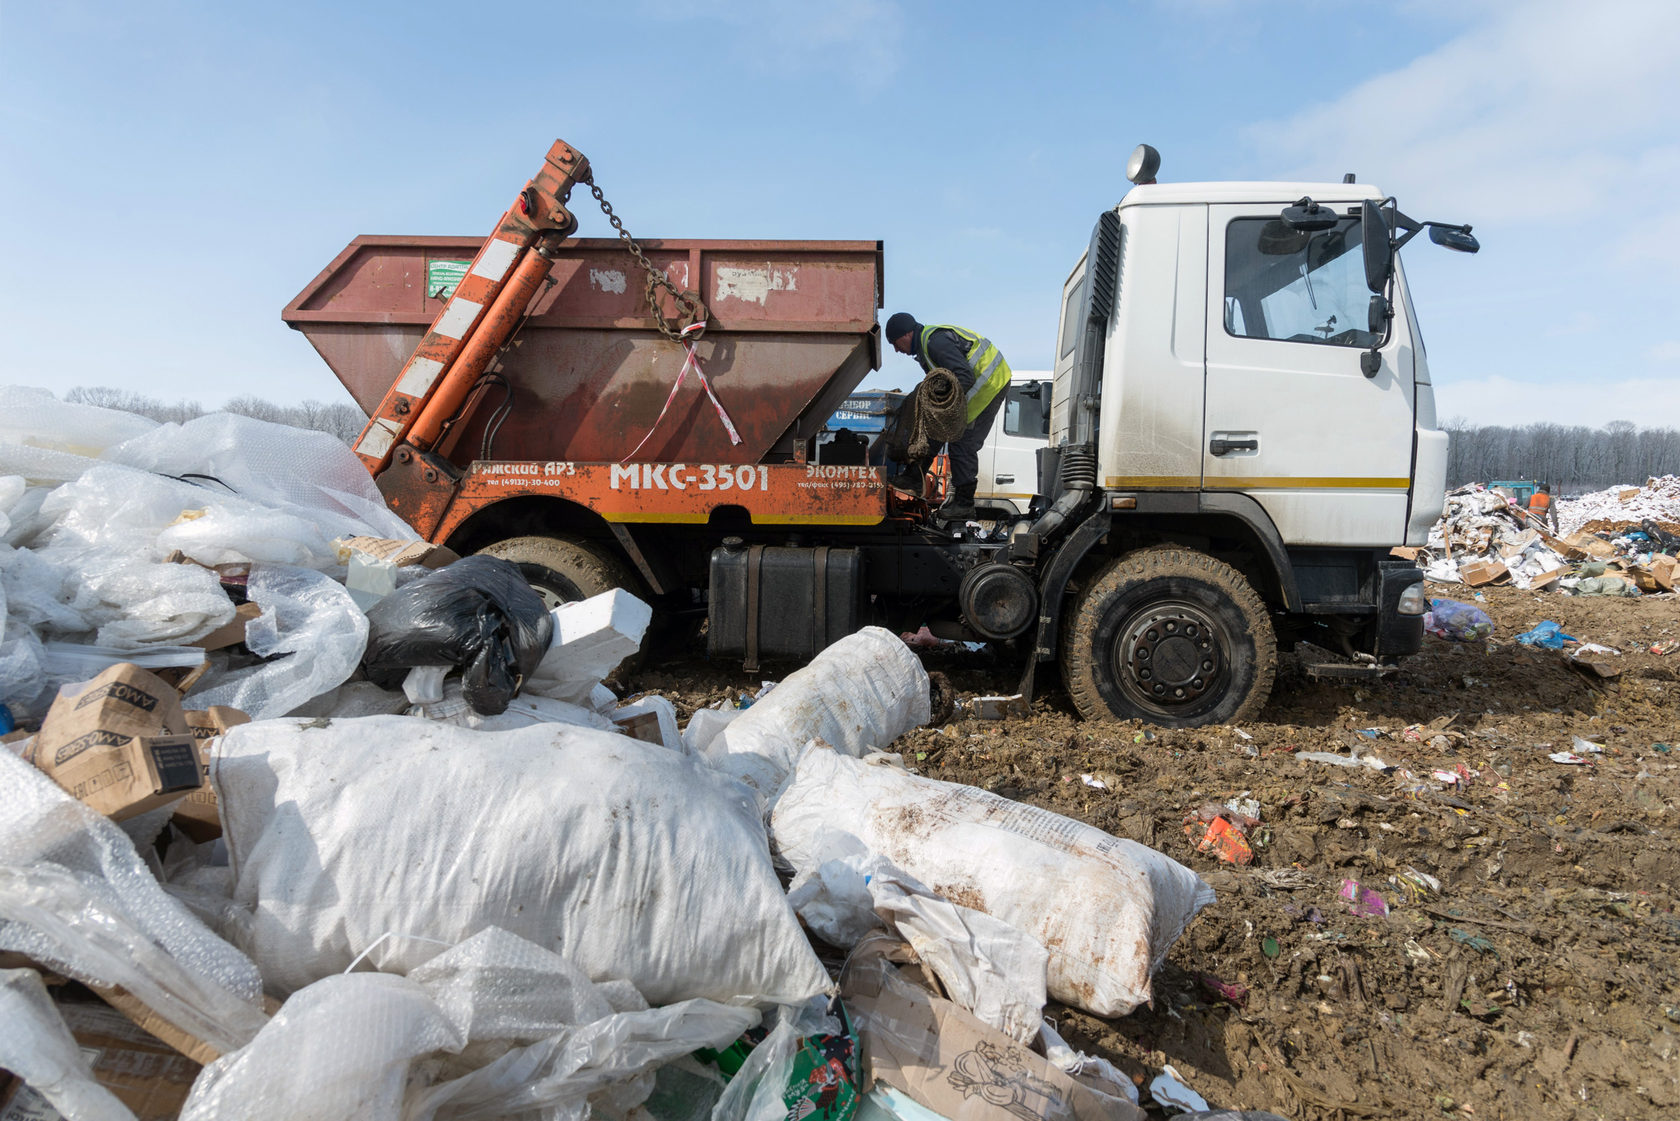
(1171, 637)
(565, 570)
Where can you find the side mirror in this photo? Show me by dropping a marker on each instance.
(1379, 250)
(1309, 217)
(1454, 237)
(1376, 316)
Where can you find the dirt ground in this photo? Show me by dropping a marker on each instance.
(1540, 978)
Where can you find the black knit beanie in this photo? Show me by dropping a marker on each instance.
(901, 323)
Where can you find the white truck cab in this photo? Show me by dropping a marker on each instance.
(1242, 427)
(1236, 366)
(1009, 459)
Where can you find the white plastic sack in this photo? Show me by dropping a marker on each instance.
(76, 896)
(37, 1047)
(1107, 909)
(103, 544)
(858, 695)
(704, 726)
(294, 471)
(631, 861)
(306, 616)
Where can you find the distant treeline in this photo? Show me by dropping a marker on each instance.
(1573, 458)
(343, 421)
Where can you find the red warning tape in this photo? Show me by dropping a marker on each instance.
(692, 362)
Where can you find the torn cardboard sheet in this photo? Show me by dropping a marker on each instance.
(947, 1060)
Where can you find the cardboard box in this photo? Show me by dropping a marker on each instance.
(402, 553)
(197, 814)
(232, 633)
(948, 1060)
(1665, 570)
(145, 1074)
(1591, 545)
(119, 744)
(1483, 571)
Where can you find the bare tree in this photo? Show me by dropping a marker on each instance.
(1571, 458)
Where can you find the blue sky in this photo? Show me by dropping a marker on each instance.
(173, 172)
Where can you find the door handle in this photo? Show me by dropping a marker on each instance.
(1005, 480)
(1225, 447)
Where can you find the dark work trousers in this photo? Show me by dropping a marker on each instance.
(965, 453)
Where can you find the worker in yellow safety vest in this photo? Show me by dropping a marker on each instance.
(983, 374)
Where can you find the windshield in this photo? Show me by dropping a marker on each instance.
(1297, 287)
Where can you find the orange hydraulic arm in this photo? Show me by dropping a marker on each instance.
(477, 320)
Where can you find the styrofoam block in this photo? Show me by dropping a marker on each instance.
(613, 612)
(590, 638)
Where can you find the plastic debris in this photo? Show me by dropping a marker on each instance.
(1474, 941)
(1223, 839)
(1371, 761)
(1093, 781)
(1548, 635)
(1362, 901)
(1168, 1088)
(1587, 746)
(995, 708)
(1457, 622)
(1568, 758)
(1225, 990)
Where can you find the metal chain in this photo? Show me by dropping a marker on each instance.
(693, 310)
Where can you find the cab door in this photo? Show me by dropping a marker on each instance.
(1290, 417)
(1009, 458)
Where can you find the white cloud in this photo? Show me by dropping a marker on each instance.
(1541, 111)
(1666, 351)
(1595, 402)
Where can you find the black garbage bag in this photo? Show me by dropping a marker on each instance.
(477, 614)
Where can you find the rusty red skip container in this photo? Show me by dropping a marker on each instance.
(791, 332)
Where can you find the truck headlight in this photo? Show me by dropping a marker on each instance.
(1412, 601)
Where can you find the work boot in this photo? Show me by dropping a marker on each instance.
(959, 505)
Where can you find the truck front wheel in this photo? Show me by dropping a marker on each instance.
(1172, 637)
(563, 570)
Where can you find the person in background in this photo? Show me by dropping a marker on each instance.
(1540, 505)
(983, 374)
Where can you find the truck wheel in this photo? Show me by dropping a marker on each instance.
(1172, 637)
(564, 570)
